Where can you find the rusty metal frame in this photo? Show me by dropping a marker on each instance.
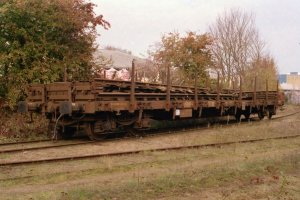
(102, 96)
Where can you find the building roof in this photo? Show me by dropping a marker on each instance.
(120, 59)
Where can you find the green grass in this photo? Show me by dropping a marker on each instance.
(229, 176)
(196, 180)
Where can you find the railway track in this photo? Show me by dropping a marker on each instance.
(44, 147)
(76, 143)
(287, 115)
(24, 162)
(68, 158)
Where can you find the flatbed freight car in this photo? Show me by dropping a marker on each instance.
(104, 106)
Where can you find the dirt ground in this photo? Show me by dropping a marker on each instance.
(264, 170)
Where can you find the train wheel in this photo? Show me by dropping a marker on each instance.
(270, 114)
(68, 133)
(132, 132)
(89, 129)
(247, 116)
(238, 116)
(261, 115)
(126, 119)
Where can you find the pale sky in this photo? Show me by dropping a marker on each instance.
(138, 24)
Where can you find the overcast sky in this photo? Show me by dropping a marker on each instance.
(138, 24)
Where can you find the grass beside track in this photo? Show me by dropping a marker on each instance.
(263, 170)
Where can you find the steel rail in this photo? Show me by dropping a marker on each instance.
(287, 115)
(70, 158)
(44, 147)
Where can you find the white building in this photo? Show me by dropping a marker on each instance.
(290, 84)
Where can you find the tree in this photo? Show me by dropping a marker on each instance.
(265, 70)
(238, 51)
(39, 39)
(237, 45)
(188, 57)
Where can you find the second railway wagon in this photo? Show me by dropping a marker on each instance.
(104, 106)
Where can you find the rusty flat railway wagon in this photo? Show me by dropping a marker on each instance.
(104, 106)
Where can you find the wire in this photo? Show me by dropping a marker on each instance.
(54, 137)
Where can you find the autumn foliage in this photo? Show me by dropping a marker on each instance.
(39, 39)
(187, 56)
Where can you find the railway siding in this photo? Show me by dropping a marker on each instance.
(253, 131)
(101, 106)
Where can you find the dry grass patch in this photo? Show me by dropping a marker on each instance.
(234, 181)
(166, 174)
(17, 127)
